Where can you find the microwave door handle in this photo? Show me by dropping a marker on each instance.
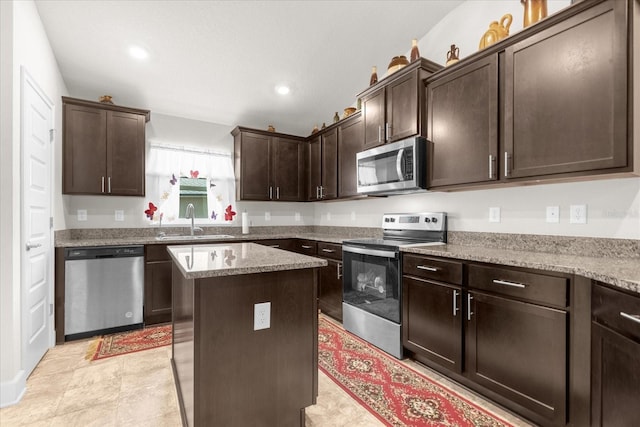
(399, 164)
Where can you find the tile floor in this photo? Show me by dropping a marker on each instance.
(137, 390)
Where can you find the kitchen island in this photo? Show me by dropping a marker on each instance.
(245, 341)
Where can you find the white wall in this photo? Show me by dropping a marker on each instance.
(24, 44)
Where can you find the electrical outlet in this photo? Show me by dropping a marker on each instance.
(82, 214)
(119, 215)
(297, 216)
(578, 214)
(494, 214)
(262, 316)
(553, 214)
(267, 216)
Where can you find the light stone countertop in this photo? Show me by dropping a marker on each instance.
(228, 259)
(623, 273)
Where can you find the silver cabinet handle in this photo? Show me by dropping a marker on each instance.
(455, 303)
(270, 193)
(339, 270)
(632, 317)
(306, 247)
(278, 193)
(321, 192)
(504, 282)
(426, 267)
(103, 184)
(109, 185)
(469, 312)
(490, 166)
(379, 133)
(387, 132)
(328, 250)
(506, 164)
(317, 192)
(30, 246)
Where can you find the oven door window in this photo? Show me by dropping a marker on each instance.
(372, 283)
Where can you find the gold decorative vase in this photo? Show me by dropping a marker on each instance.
(497, 31)
(534, 11)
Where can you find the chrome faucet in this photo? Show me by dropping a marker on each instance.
(190, 214)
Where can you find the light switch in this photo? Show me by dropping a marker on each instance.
(494, 214)
(553, 214)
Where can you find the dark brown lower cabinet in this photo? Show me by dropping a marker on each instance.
(615, 358)
(519, 350)
(432, 322)
(330, 289)
(157, 285)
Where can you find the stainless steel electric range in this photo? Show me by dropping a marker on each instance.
(372, 280)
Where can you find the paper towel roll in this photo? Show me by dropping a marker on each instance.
(245, 223)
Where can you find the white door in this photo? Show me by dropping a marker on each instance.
(37, 134)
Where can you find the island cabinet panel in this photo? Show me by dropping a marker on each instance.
(103, 149)
(462, 117)
(228, 373)
(615, 358)
(566, 96)
(350, 143)
(268, 165)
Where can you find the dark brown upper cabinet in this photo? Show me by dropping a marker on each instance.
(103, 148)
(392, 109)
(350, 142)
(268, 166)
(462, 111)
(323, 166)
(566, 94)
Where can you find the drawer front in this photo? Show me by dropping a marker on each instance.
(156, 253)
(534, 287)
(616, 310)
(432, 268)
(330, 250)
(307, 247)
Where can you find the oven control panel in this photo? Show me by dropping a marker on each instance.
(427, 221)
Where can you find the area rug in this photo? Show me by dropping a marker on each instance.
(394, 393)
(129, 342)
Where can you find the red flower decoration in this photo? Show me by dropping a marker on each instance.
(194, 174)
(228, 214)
(152, 209)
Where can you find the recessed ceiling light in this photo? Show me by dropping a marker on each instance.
(138, 52)
(283, 89)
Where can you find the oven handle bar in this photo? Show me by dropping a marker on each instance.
(372, 252)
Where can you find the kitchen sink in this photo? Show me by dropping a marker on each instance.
(195, 237)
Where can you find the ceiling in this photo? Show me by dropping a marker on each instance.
(219, 61)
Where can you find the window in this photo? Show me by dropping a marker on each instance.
(178, 176)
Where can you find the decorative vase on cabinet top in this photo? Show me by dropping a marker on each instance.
(497, 31)
(453, 55)
(534, 10)
(415, 52)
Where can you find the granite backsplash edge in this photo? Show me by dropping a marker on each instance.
(566, 245)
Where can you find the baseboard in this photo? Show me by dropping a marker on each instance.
(11, 392)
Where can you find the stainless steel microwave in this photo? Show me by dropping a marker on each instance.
(395, 168)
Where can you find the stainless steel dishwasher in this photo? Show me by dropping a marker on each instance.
(104, 288)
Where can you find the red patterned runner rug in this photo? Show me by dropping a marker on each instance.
(129, 342)
(396, 394)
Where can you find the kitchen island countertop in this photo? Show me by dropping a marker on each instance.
(229, 259)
